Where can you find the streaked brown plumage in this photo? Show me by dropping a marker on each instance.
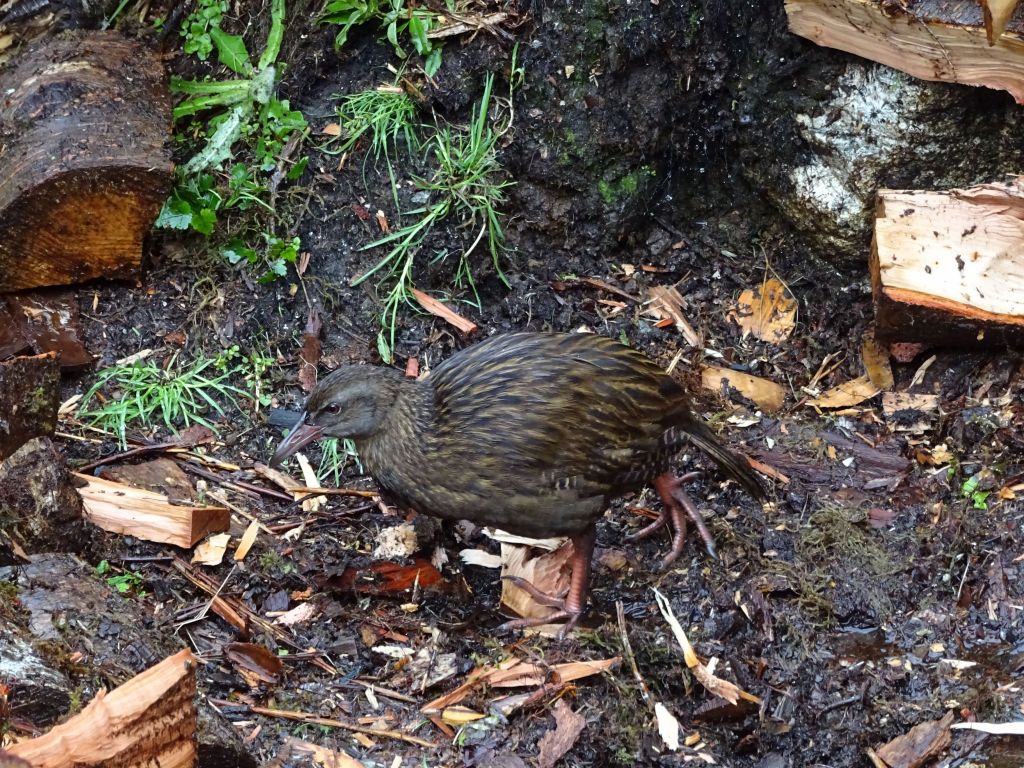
(533, 433)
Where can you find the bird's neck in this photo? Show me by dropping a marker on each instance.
(398, 442)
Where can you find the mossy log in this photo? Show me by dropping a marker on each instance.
(84, 159)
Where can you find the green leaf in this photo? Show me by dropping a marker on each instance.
(418, 33)
(231, 51)
(298, 169)
(383, 348)
(433, 62)
(979, 498)
(204, 221)
(176, 214)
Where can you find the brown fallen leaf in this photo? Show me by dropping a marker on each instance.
(321, 756)
(919, 745)
(846, 394)
(248, 539)
(768, 311)
(910, 412)
(331, 129)
(255, 663)
(559, 740)
(435, 307)
(768, 395)
(876, 363)
(549, 573)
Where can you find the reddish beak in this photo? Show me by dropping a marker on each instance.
(302, 435)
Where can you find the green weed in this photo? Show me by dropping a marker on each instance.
(468, 183)
(334, 455)
(126, 582)
(399, 22)
(146, 394)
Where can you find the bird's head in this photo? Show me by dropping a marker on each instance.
(351, 402)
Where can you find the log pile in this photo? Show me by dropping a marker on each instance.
(948, 267)
(956, 42)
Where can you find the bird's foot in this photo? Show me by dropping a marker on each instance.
(677, 508)
(572, 604)
(538, 595)
(664, 516)
(571, 619)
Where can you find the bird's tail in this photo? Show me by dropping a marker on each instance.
(730, 462)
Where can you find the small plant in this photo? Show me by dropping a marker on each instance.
(145, 393)
(970, 490)
(467, 184)
(252, 368)
(386, 114)
(244, 108)
(334, 455)
(201, 27)
(126, 582)
(399, 22)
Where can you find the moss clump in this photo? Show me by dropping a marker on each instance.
(626, 186)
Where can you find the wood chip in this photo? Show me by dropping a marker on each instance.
(211, 552)
(846, 394)
(321, 756)
(919, 746)
(666, 302)
(876, 363)
(248, 539)
(147, 515)
(446, 313)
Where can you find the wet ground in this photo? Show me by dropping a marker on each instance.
(880, 592)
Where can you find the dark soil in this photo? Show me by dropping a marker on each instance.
(840, 608)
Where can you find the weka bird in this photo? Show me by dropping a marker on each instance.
(533, 433)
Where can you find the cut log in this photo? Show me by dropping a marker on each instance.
(948, 267)
(150, 720)
(929, 39)
(84, 159)
(148, 515)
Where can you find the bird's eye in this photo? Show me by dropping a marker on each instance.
(333, 408)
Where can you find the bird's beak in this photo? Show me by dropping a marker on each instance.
(303, 434)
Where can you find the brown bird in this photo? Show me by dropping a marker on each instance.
(533, 433)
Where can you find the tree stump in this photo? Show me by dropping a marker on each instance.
(85, 161)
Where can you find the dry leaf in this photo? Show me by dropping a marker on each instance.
(549, 573)
(211, 551)
(460, 715)
(876, 363)
(298, 614)
(555, 743)
(907, 412)
(313, 503)
(768, 311)
(846, 394)
(254, 662)
(322, 756)
(331, 129)
(768, 395)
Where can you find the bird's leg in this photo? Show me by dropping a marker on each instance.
(665, 514)
(677, 507)
(574, 602)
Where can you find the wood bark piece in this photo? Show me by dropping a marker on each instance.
(84, 159)
(29, 398)
(948, 267)
(929, 39)
(48, 321)
(150, 720)
(148, 515)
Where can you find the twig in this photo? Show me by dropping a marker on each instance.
(236, 485)
(304, 717)
(627, 649)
